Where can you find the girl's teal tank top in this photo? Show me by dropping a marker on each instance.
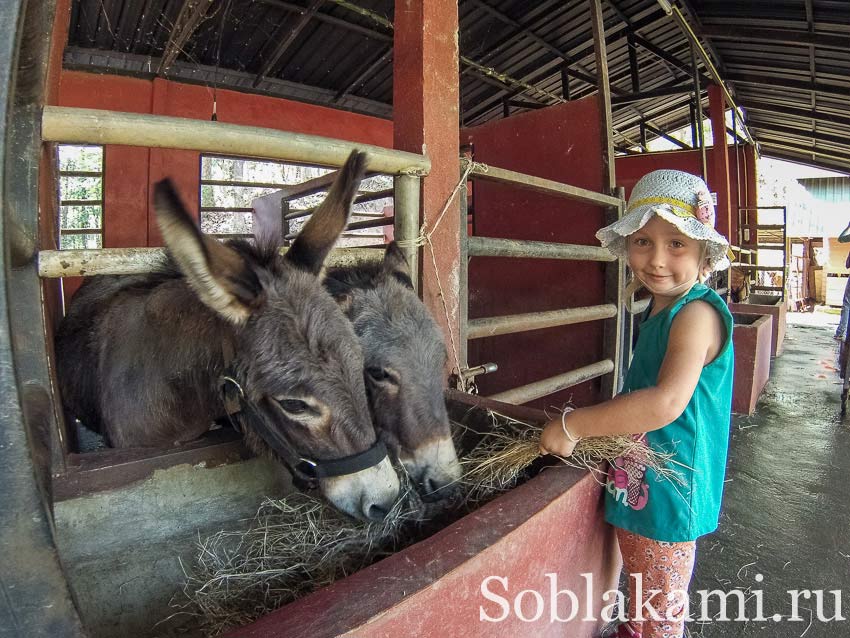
(637, 499)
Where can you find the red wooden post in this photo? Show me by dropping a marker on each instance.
(426, 120)
(718, 178)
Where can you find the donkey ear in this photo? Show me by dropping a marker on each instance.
(218, 274)
(320, 233)
(395, 264)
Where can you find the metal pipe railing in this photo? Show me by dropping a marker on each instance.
(360, 199)
(492, 247)
(94, 126)
(406, 226)
(526, 393)
(541, 185)
(493, 326)
(137, 261)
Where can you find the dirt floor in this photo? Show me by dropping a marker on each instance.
(785, 523)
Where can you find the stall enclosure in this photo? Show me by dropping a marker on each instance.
(554, 144)
(142, 136)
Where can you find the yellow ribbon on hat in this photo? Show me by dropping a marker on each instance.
(680, 208)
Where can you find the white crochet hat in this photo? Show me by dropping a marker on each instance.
(677, 197)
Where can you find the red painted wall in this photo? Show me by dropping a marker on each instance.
(560, 143)
(631, 168)
(130, 172)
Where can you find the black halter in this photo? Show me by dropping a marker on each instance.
(306, 471)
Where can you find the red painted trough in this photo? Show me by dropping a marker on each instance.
(751, 338)
(772, 305)
(547, 535)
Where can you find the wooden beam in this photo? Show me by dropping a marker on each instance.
(284, 44)
(188, 20)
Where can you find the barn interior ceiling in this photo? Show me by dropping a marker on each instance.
(786, 63)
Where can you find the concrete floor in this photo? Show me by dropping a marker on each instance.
(785, 523)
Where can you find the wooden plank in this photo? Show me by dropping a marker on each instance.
(112, 468)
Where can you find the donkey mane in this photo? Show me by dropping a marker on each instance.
(368, 276)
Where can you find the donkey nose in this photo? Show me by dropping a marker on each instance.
(375, 512)
(437, 488)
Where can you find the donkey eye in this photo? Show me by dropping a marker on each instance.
(293, 406)
(381, 375)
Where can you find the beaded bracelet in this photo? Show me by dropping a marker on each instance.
(573, 439)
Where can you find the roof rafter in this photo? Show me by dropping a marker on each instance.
(192, 13)
(521, 29)
(817, 116)
(790, 130)
(780, 82)
(306, 15)
(802, 37)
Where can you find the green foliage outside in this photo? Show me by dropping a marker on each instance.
(81, 189)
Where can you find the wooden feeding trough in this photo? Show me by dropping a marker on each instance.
(547, 535)
(751, 338)
(772, 305)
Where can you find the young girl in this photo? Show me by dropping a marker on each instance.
(677, 395)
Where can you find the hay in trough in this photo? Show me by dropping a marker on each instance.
(293, 546)
(299, 544)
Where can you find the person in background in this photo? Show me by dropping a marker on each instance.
(677, 397)
(841, 329)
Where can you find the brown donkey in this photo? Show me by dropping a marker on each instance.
(143, 359)
(405, 358)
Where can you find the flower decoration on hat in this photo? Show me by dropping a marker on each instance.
(705, 207)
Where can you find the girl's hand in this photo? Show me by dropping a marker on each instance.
(554, 441)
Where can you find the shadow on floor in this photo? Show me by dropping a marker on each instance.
(785, 523)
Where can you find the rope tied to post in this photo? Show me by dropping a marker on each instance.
(424, 239)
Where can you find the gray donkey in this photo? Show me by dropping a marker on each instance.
(143, 359)
(405, 358)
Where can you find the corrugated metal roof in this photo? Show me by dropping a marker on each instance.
(786, 61)
(835, 190)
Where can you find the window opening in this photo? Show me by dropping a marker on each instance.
(80, 196)
(230, 184)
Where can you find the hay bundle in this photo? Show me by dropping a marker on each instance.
(499, 460)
